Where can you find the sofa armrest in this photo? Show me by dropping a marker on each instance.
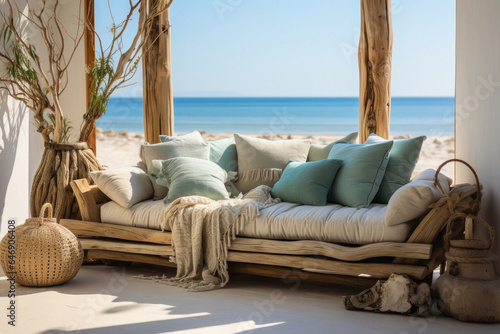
(89, 198)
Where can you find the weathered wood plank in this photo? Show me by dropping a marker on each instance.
(375, 62)
(311, 247)
(86, 200)
(126, 247)
(295, 276)
(93, 229)
(128, 257)
(98, 195)
(375, 270)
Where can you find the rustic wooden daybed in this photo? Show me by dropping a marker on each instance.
(358, 266)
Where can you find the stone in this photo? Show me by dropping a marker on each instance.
(398, 294)
(123, 133)
(437, 142)
(110, 133)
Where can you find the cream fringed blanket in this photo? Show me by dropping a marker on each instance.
(202, 230)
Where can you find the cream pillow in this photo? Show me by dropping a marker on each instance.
(190, 145)
(125, 186)
(412, 200)
(261, 161)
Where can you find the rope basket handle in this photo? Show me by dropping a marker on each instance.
(475, 219)
(436, 183)
(45, 207)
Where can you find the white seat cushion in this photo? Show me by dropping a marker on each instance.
(145, 214)
(330, 223)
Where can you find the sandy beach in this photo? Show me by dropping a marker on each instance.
(122, 148)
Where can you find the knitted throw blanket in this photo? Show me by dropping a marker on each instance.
(202, 230)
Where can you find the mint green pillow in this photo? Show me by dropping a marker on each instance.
(362, 171)
(223, 153)
(307, 182)
(193, 136)
(186, 176)
(320, 152)
(402, 160)
(189, 145)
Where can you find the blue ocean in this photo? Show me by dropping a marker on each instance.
(329, 115)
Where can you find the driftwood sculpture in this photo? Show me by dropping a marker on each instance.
(399, 294)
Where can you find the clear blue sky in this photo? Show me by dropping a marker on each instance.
(300, 48)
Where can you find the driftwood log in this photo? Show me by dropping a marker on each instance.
(61, 164)
(158, 101)
(399, 294)
(375, 61)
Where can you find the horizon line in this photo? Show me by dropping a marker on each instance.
(278, 97)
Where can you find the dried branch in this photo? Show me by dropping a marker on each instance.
(37, 84)
(105, 76)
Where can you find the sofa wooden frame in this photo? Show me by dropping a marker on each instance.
(358, 266)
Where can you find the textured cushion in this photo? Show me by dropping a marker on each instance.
(359, 178)
(262, 161)
(146, 214)
(307, 182)
(126, 186)
(288, 221)
(190, 176)
(412, 200)
(223, 153)
(189, 145)
(402, 160)
(320, 152)
(193, 136)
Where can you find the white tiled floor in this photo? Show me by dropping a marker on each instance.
(103, 300)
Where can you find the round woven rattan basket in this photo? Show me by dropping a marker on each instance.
(41, 252)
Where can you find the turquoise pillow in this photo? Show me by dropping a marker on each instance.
(186, 176)
(402, 160)
(307, 182)
(223, 153)
(362, 171)
(320, 152)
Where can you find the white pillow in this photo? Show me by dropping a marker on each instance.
(412, 200)
(125, 186)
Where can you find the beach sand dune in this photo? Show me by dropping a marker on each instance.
(122, 149)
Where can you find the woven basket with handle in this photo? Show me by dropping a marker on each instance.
(41, 252)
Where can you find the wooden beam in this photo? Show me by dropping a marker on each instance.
(93, 229)
(295, 276)
(89, 42)
(126, 247)
(306, 247)
(310, 247)
(129, 257)
(375, 270)
(375, 62)
(287, 275)
(158, 101)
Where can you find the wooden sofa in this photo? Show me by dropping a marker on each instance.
(358, 266)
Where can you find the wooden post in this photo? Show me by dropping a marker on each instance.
(158, 101)
(375, 60)
(89, 40)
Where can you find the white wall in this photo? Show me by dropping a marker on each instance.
(478, 100)
(73, 100)
(21, 147)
